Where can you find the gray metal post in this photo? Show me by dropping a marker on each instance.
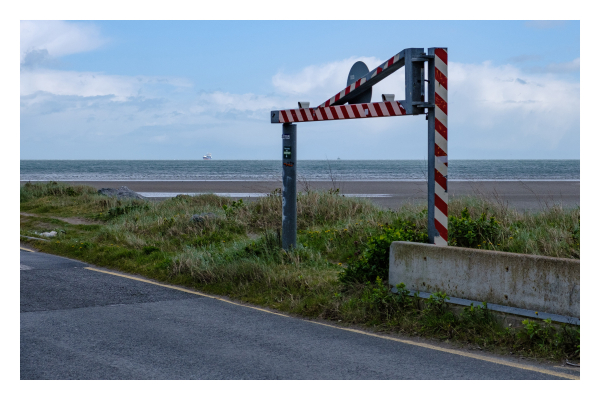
(431, 231)
(288, 189)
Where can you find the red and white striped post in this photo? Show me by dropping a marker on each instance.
(438, 147)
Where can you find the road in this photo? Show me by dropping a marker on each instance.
(84, 322)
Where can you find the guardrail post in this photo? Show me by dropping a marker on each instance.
(288, 189)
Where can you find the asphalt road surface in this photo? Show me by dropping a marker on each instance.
(82, 323)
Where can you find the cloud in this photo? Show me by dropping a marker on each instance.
(57, 39)
(89, 84)
(559, 68)
(317, 83)
(314, 83)
(508, 100)
(495, 111)
(35, 58)
(483, 96)
(249, 104)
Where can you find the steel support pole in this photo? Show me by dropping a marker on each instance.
(288, 189)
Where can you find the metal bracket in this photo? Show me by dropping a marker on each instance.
(423, 105)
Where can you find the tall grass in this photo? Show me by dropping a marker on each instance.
(235, 250)
(553, 231)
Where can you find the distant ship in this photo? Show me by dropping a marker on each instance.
(208, 156)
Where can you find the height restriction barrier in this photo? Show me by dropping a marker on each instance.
(354, 102)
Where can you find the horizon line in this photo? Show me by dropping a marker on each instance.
(278, 159)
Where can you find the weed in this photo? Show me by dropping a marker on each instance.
(477, 316)
(379, 300)
(436, 303)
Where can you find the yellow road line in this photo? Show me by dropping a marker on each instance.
(23, 248)
(457, 352)
(410, 342)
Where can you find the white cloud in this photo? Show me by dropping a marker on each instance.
(88, 84)
(504, 98)
(495, 111)
(251, 104)
(318, 83)
(499, 107)
(58, 38)
(313, 83)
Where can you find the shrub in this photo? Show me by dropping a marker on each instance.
(233, 207)
(375, 261)
(467, 232)
(378, 299)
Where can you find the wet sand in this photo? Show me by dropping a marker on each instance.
(522, 195)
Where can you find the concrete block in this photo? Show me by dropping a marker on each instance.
(537, 283)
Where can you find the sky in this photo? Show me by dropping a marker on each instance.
(179, 89)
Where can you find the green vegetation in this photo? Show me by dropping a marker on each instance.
(338, 271)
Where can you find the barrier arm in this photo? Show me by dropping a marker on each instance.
(367, 81)
(348, 111)
(413, 60)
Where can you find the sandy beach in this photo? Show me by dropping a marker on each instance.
(522, 195)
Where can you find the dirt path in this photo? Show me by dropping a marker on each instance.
(69, 220)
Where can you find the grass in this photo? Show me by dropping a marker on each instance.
(333, 274)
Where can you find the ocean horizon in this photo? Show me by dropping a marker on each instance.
(310, 170)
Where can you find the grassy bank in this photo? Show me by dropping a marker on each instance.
(233, 248)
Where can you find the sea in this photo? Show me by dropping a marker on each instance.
(311, 170)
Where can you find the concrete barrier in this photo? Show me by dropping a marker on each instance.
(543, 284)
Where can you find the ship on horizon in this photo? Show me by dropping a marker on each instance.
(208, 156)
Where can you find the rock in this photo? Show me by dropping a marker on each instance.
(48, 234)
(202, 218)
(122, 193)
